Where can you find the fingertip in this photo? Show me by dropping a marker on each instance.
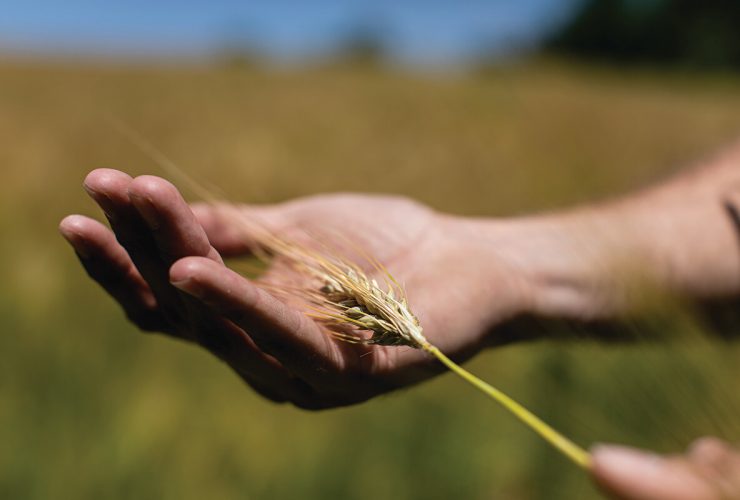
(71, 225)
(83, 227)
(187, 272)
(74, 228)
(103, 180)
(107, 187)
(632, 473)
(615, 467)
(600, 453)
(151, 187)
(187, 267)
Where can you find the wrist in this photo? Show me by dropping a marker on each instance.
(563, 267)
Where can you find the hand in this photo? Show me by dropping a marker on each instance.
(162, 263)
(710, 470)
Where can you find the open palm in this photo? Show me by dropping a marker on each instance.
(162, 262)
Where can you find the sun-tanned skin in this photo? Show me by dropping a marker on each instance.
(166, 271)
(468, 282)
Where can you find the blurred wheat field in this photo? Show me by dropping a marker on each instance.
(90, 408)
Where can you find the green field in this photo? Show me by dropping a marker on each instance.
(90, 408)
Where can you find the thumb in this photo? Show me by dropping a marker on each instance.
(236, 230)
(627, 473)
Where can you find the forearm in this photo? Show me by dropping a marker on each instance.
(585, 263)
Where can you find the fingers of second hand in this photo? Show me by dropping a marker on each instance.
(718, 462)
(631, 473)
(277, 329)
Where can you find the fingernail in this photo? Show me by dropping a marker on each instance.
(627, 461)
(88, 190)
(78, 245)
(147, 211)
(188, 286)
(105, 204)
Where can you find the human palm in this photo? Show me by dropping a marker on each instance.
(162, 263)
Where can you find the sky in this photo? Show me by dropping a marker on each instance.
(416, 31)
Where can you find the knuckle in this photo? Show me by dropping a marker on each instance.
(106, 179)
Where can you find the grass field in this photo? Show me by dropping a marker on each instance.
(90, 408)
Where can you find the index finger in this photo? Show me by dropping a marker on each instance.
(174, 227)
(278, 329)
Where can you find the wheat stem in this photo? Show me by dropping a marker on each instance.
(571, 450)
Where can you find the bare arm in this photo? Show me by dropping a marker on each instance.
(162, 263)
(582, 264)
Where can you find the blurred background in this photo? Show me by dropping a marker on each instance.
(483, 108)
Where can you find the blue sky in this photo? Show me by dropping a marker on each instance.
(425, 32)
